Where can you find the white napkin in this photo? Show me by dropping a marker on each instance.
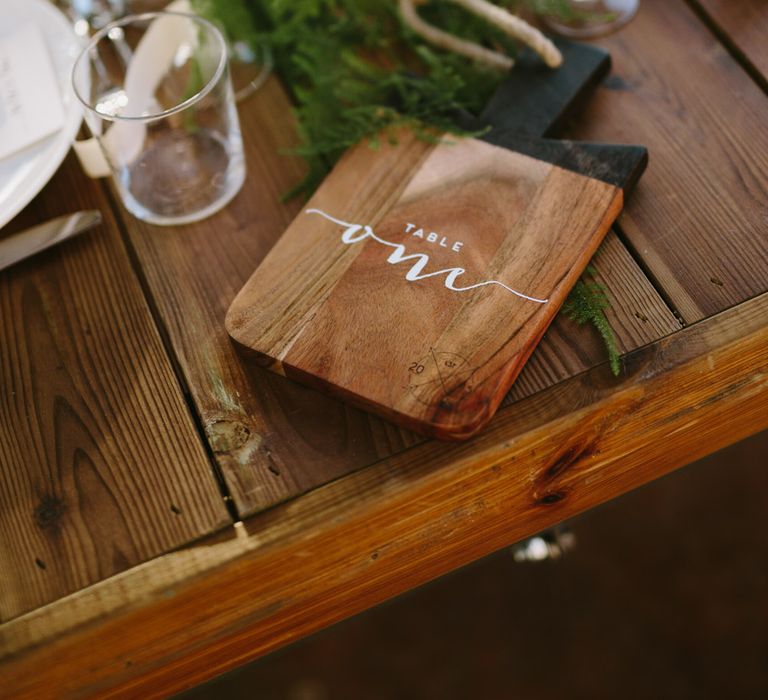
(30, 102)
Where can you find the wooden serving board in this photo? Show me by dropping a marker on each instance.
(420, 277)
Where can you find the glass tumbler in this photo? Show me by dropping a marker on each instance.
(584, 19)
(159, 102)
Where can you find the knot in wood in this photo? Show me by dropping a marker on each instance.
(551, 498)
(227, 435)
(50, 511)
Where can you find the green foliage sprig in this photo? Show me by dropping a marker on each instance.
(354, 70)
(587, 303)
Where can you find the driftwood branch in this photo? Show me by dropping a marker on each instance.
(510, 24)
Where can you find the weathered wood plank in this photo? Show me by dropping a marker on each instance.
(744, 25)
(101, 467)
(273, 438)
(698, 216)
(400, 523)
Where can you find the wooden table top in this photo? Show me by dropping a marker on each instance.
(169, 511)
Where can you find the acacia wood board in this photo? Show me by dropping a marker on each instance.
(420, 277)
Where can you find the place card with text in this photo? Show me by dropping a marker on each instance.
(30, 102)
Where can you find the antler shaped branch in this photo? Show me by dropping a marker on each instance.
(507, 22)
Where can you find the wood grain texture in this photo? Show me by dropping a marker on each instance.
(698, 217)
(272, 437)
(101, 467)
(744, 25)
(373, 310)
(400, 523)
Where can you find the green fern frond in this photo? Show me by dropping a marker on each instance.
(587, 303)
(354, 69)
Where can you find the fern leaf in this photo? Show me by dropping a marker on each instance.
(587, 303)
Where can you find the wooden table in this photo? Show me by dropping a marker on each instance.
(168, 511)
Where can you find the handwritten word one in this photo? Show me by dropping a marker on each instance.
(433, 237)
(357, 233)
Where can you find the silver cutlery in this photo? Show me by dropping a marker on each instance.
(36, 239)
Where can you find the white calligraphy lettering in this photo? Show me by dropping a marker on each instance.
(355, 233)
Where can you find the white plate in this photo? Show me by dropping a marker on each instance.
(24, 174)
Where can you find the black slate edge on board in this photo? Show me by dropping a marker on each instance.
(535, 100)
(617, 165)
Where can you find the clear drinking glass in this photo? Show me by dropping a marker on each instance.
(583, 19)
(159, 101)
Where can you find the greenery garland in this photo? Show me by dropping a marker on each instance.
(354, 70)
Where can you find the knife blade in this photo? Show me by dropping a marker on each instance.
(36, 239)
